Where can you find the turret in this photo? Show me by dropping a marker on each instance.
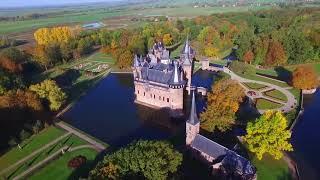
(193, 123)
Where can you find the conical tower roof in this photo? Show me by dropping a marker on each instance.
(193, 118)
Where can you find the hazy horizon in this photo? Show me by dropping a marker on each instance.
(34, 3)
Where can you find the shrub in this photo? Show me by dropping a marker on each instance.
(77, 161)
(24, 135)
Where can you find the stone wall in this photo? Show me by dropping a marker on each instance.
(158, 96)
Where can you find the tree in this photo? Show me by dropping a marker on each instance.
(268, 134)
(48, 89)
(56, 35)
(298, 49)
(167, 39)
(276, 54)
(40, 56)
(11, 60)
(304, 77)
(248, 57)
(9, 81)
(124, 59)
(244, 41)
(180, 25)
(149, 159)
(211, 51)
(223, 103)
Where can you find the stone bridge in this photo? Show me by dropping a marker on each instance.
(202, 90)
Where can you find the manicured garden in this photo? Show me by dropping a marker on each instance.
(58, 169)
(30, 145)
(276, 94)
(254, 86)
(264, 104)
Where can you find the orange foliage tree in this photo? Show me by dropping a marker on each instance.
(304, 77)
(223, 103)
(276, 54)
(248, 57)
(45, 36)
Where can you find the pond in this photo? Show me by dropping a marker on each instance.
(306, 139)
(108, 112)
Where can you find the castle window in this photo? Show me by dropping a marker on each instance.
(144, 94)
(151, 95)
(138, 91)
(163, 99)
(154, 96)
(167, 99)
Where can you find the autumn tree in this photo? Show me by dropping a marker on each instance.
(268, 134)
(124, 59)
(211, 51)
(167, 39)
(49, 90)
(40, 56)
(276, 54)
(248, 57)
(304, 77)
(223, 103)
(56, 35)
(11, 59)
(21, 99)
(141, 159)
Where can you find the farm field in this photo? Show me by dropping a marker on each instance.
(94, 15)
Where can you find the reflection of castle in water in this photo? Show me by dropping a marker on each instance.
(159, 81)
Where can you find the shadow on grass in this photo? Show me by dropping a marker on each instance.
(283, 74)
(27, 143)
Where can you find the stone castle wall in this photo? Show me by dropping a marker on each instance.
(162, 97)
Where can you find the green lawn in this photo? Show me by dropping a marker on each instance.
(255, 86)
(58, 169)
(33, 143)
(275, 94)
(258, 78)
(271, 169)
(264, 104)
(71, 141)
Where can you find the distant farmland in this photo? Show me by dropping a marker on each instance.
(101, 14)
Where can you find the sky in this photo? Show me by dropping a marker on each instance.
(28, 3)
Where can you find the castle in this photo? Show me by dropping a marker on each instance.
(217, 156)
(159, 81)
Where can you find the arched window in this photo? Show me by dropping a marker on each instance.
(144, 94)
(167, 99)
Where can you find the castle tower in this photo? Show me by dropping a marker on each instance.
(193, 123)
(186, 58)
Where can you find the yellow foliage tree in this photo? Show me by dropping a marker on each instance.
(268, 134)
(167, 39)
(45, 36)
(211, 51)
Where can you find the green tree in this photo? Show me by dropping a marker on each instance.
(49, 90)
(244, 41)
(268, 134)
(223, 103)
(298, 48)
(149, 159)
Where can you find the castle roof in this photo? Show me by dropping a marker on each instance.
(229, 159)
(193, 118)
(187, 48)
(162, 73)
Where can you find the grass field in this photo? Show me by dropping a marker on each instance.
(275, 94)
(100, 14)
(58, 169)
(255, 86)
(33, 143)
(263, 104)
(271, 169)
(258, 78)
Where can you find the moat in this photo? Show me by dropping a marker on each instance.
(108, 112)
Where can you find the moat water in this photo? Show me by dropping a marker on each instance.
(306, 139)
(108, 112)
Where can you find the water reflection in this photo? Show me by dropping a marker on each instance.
(305, 139)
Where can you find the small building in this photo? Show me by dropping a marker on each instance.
(217, 156)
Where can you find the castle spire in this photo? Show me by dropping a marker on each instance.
(193, 118)
(187, 47)
(136, 61)
(176, 76)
